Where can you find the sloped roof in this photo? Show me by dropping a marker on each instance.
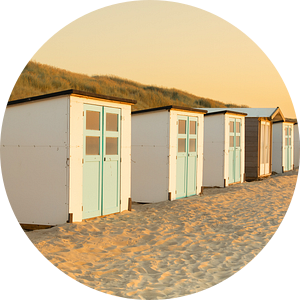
(270, 113)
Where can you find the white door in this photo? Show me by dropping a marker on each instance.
(265, 148)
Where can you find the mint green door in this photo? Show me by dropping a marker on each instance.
(288, 148)
(181, 161)
(111, 161)
(92, 161)
(234, 150)
(186, 162)
(192, 157)
(101, 161)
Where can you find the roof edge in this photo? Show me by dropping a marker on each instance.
(226, 112)
(71, 92)
(169, 107)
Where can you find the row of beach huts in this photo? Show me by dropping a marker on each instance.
(72, 155)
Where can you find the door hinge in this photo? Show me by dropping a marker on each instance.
(120, 159)
(175, 192)
(176, 122)
(83, 113)
(82, 208)
(83, 160)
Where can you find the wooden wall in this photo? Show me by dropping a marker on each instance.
(252, 148)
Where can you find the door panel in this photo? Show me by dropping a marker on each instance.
(111, 160)
(288, 148)
(265, 148)
(181, 162)
(234, 151)
(192, 157)
(186, 163)
(101, 167)
(92, 156)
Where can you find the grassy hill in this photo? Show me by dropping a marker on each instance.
(37, 79)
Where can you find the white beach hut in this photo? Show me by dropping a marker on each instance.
(167, 153)
(258, 140)
(65, 157)
(283, 146)
(224, 147)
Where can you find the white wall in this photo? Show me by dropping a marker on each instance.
(214, 148)
(150, 162)
(76, 152)
(34, 160)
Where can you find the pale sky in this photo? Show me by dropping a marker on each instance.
(170, 45)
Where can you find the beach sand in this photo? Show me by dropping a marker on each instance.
(171, 249)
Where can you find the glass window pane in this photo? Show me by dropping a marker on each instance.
(238, 127)
(286, 141)
(111, 146)
(290, 130)
(92, 145)
(181, 145)
(192, 127)
(237, 141)
(286, 131)
(192, 145)
(92, 120)
(181, 126)
(231, 141)
(231, 126)
(111, 122)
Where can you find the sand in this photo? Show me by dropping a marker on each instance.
(171, 249)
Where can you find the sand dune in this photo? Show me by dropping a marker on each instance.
(171, 249)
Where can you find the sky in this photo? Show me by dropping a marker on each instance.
(169, 45)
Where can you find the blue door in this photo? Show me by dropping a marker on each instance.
(288, 148)
(101, 161)
(186, 162)
(234, 150)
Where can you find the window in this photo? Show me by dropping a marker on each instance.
(92, 145)
(181, 145)
(192, 127)
(111, 146)
(181, 126)
(92, 120)
(111, 122)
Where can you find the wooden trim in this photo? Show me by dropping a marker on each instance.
(224, 182)
(271, 147)
(259, 149)
(70, 220)
(169, 107)
(234, 183)
(35, 226)
(169, 196)
(129, 204)
(202, 188)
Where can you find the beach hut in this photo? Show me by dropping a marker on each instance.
(283, 146)
(167, 153)
(65, 157)
(258, 140)
(224, 147)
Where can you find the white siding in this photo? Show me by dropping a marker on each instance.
(34, 160)
(214, 149)
(150, 150)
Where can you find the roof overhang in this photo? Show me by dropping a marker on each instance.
(73, 93)
(169, 107)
